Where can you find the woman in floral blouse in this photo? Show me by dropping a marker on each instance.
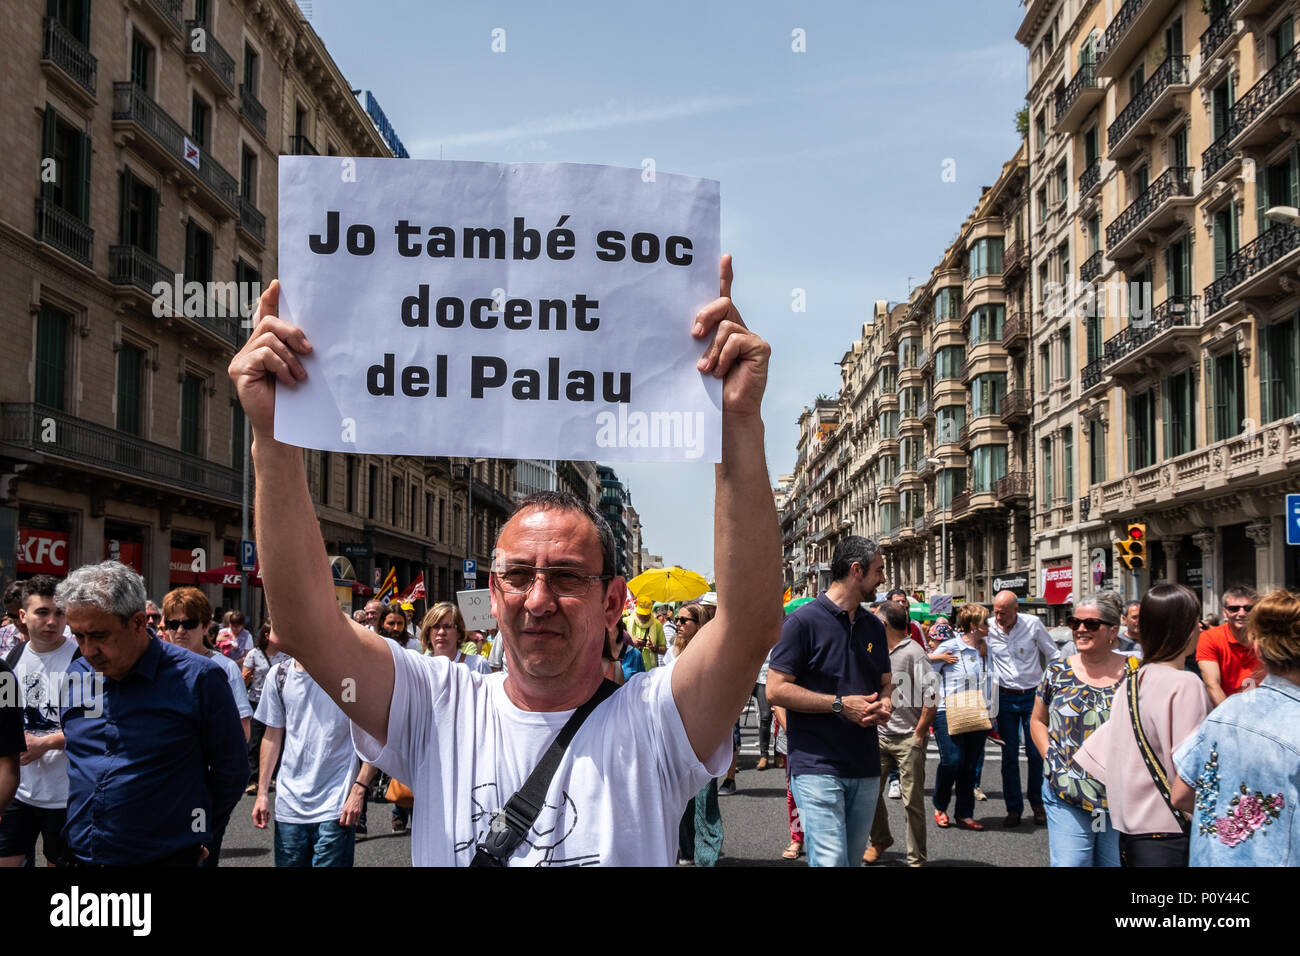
(1239, 774)
(1073, 701)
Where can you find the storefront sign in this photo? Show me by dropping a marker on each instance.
(1058, 583)
(42, 552)
(1017, 584)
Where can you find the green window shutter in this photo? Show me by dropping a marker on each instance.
(1261, 199)
(130, 365)
(149, 229)
(1170, 424)
(1293, 174)
(1169, 271)
(83, 190)
(51, 357)
(191, 241)
(49, 125)
(1267, 362)
(84, 10)
(124, 209)
(191, 400)
(1221, 226)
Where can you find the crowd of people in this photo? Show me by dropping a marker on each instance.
(1152, 737)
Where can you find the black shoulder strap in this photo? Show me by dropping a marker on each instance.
(1148, 756)
(15, 652)
(512, 822)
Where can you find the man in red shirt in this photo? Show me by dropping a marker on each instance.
(1227, 661)
(899, 596)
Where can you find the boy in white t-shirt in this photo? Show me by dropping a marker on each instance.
(39, 808)
(318, 797)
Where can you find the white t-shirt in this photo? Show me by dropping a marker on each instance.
(616, 799)
(475, 662)
(41, 681)
(318, 763)
(235, 675)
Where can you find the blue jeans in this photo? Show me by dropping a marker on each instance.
(959, 756)
(1013, 716)
(1076, 837)
(836, 813)
(314, 844)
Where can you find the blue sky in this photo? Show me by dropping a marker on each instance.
(830, 160)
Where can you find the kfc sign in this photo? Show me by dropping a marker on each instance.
(42, 552)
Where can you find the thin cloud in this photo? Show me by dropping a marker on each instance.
(579, 121)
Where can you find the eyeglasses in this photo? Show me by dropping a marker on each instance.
(685, 620)
(1090, 623)
(1239, 608)
(154, 617)
(189, 624)
(563, 582)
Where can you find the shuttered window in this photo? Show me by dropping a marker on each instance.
(51, 356)
(130, 389)
(192, 415)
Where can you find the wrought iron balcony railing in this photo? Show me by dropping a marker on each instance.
(64, 231)
(252, 109)
(98, 446)
(132, 104)
(1215, 34)
(203, 44)
(1085, 78)
(1089, 178)
(1015, 484)
(1266, 92)
(251, 220)
(70, 55)
(1173, 71)
(1174, 181)
(1093, 373)
(1249, 261)
(1176, 310)
(1091, 267)
(1217, 154)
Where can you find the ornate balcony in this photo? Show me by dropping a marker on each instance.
(1015, 331)
(1157, 99)
(1014, 258)
(1257, 269)
(125, 457)
(1159, 207)
(1093, 373)
(134, 113)
(62, 230)
(1089, 179)
(1081, 96)
(202, 47)
(166, 13)
(1174, 326)
(133, 269)
(251, 222)
(1215, 35)
(1091, 267)
(70, 55)
(1013, 486)
(1017, 406)
(960, 503)
(252, 110)
(1128, 31)
(1263, 116)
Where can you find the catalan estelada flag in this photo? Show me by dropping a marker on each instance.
(388, 589)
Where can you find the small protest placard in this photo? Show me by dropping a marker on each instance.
(481, 309)
(476, 609)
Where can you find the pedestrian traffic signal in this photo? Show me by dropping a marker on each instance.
(1133, 549)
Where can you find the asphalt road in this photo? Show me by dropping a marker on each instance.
(754, 820)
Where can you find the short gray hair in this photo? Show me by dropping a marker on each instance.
(1107, 604)
(110, 586)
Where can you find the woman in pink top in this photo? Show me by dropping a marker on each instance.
(1172, 703)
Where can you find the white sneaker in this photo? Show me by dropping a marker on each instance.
(895, 790)
(979, 794)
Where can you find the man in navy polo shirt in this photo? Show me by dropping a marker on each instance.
(831, 672)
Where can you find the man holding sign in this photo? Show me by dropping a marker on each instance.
(466, 742)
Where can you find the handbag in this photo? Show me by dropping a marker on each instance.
(399, 794)
(967, 711)
(1153, 849)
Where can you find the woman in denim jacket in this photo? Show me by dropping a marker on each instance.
(1239, 774)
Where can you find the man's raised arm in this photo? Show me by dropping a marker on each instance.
(349, 662)
(712, 682)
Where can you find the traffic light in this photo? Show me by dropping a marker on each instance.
(1133, 549)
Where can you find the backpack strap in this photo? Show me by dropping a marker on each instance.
(510, 824)
(15, 652)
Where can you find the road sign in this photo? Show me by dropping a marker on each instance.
(471, 566)
(247, 555)
(471, 582)
(1293, 519)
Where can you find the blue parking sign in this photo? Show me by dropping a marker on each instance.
(247, 555)
(1293, 519)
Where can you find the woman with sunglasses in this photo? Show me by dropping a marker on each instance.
(699, 835)
(1074, 699)
(1171, 704)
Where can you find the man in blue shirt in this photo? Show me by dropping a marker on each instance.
(156, 752)
(831, 672)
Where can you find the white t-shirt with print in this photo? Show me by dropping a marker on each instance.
(235, 677)
(464, 749)
(41, 682)
(318, 762)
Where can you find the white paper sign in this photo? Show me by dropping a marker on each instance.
(513, 311)
(476, 609)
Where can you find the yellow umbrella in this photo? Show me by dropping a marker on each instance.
(668, 584)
